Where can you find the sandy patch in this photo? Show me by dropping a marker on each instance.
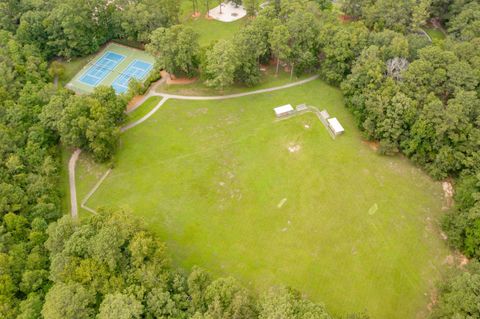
(171, 79)
(456, 259)
(372, 144)
(133, 102)
(294, 148)
(199, 111)
(447, 195)
(282, 202)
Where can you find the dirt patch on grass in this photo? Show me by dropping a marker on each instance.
(199, 111)
(372, 144)
(171, 79)
(456, 259)
(133, 102)
(294, 148)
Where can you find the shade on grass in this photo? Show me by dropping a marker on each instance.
(234, 190)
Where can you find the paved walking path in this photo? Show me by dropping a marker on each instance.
(166, 96)
(231, 96)
(71, 180)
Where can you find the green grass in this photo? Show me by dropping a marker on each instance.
(143, 109)
(208, 176)
(434, 33)
(268, 79)
(208, 30)
(72, 67)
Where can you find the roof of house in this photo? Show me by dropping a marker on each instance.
(283, 109)
(335, 125)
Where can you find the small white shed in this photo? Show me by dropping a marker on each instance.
(335, 126)
(284, 110)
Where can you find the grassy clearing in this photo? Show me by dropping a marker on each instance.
(209, 30)
(269, 79)
(356, 230)
(72, 67)
(87, 174)
(143, 109)
(434, 33)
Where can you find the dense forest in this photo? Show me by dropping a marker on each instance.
(414, 97)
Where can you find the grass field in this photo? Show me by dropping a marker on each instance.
(356, 230)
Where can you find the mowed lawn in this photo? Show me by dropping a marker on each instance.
(270, 202)
(209, 30)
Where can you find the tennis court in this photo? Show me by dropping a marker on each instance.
(114, 66)
(97, 72)
(136, 70)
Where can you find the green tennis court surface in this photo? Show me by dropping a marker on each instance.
(114, 66)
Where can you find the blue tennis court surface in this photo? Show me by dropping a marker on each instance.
(137, 69)
(97, 72)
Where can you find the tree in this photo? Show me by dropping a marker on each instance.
(87, 122)
(251, 6)
(175, 49)
(250, 45)
(120, 306)
(340, 46)
(31, 307)
(354, 8)
(303, 30)
(458, 296)
(195, 7)
(389, 14)
(227, 300)
(279, 42)
(77, 28)
(139, 19)
(56, 69)
(220, 65)
(420, 13)
(286, 303)
(466, 25)
(198, 281)
(68, 301)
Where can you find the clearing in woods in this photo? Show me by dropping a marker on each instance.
(234, 190)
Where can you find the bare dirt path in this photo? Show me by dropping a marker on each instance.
(151, 92)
